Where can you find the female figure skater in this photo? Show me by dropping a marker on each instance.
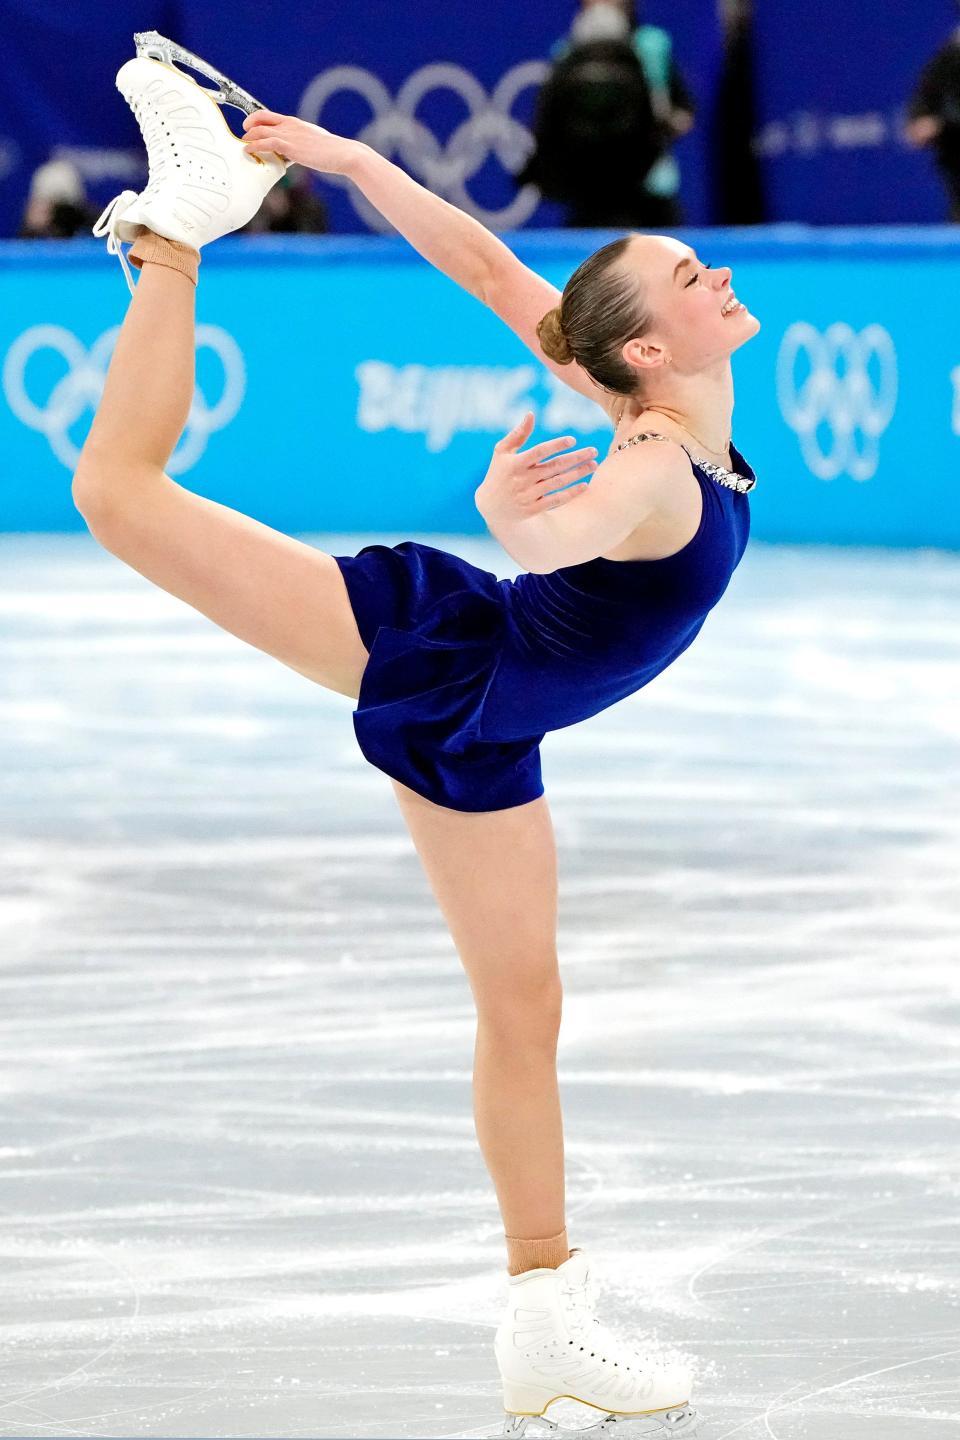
(458, 675)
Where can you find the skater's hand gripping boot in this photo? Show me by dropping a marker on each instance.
(300, 142)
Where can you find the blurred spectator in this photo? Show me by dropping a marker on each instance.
(738, 190)
(57, 206)
(291, 207)
(934, 116)
(607, 115)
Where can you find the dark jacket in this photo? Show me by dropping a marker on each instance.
(938, 94)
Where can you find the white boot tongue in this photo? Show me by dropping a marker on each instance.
(576, 1269)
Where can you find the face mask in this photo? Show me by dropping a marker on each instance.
(57, 181)
(601, 22)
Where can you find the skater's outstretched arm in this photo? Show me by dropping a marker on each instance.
(451, 240)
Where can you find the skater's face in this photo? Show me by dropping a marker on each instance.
(687, 298)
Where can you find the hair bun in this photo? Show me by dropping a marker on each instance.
(553, 341)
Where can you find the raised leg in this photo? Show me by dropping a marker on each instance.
(276, 593)
(149, 386)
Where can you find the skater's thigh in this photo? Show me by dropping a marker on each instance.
(494, 876)
(279, 594)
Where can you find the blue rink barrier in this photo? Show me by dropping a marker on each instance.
(345, 385)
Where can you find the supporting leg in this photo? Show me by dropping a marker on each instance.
(519, 1124)
(494, 876)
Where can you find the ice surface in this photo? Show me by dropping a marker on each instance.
(240, 1193)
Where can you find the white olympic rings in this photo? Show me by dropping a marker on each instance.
(80, 388)
(838, 393)
(489, 129)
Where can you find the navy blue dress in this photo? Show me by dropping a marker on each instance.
(467, 673)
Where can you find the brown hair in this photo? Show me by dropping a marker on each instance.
(603, 307)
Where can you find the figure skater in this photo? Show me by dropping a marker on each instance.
(457, 675)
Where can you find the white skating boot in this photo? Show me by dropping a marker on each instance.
(202, 182)
(550, 1345)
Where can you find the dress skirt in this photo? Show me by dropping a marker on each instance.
(435, 627)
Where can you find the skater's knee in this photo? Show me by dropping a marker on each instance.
(527, 1013)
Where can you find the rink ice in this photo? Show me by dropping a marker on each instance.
(240, 1192)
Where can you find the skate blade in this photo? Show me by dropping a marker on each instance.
(657, 1424)
(154, 46)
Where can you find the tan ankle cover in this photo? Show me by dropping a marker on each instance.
(536, 1254)
(154, 249)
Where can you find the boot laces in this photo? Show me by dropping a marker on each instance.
(579, 1308)
(585, 1326)
(107, 225)
(159, 146)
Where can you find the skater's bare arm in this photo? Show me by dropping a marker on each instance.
(521, 298)
(475, 258)
(450, 239)
(543, 527)
(446, 236)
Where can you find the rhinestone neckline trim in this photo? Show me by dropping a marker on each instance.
(730, 479)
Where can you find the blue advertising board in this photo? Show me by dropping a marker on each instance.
(344, 385)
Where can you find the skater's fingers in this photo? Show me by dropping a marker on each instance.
(518, 434)
(561, 497)
(263, 139)
(549, 447)
(586, 455)
(261, 117)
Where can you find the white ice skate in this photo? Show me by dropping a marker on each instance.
(202, 181)
(550, 1345)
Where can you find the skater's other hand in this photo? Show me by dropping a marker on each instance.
(267, 132)
(521, 483)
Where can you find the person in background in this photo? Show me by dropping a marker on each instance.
(934, 115)
(291, 207)
(607, 116)
(738, 194)
(57, 206)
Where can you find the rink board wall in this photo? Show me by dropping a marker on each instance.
(344, 385)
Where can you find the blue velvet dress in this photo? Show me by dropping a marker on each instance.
(467, 673)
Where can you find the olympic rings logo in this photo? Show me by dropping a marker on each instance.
(490, 128)
(81, 387)
(839, 391)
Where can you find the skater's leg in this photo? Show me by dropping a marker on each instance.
(277, 593)
(149, 385)
(494, 875)
(519, 1126)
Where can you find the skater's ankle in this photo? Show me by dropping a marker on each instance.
(150, 248)
(536, 1254)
